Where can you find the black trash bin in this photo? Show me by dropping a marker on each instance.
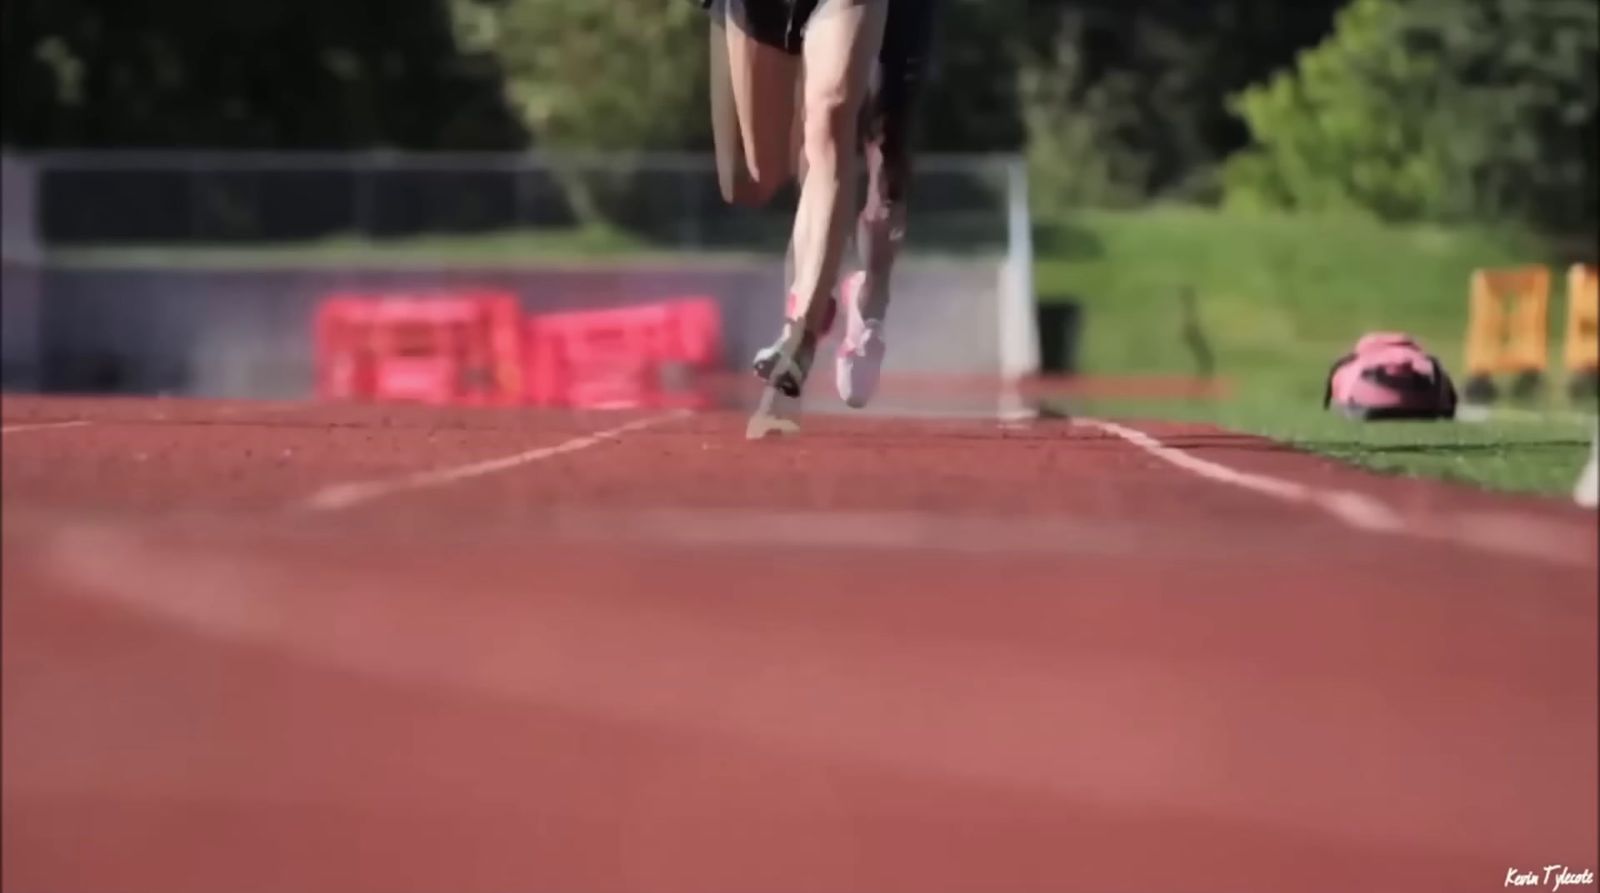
(1060, 322)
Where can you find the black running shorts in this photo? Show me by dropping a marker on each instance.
(776, 23)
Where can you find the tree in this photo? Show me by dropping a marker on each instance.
(971, 103)
(619, 75)
(1525, 71)
(1146, 84)
(1433, 109)
(288, 74)
(1076, 126)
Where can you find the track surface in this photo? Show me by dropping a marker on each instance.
(881, 656)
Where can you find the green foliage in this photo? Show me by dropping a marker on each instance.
(288, 74)
(1525, 73)
(1075, 156)
(1125, 101)
(631, 74)
(1132, 108)
(1433, 109)
(1359, 125)
(970, 103)
(622, 75)
(618, 75)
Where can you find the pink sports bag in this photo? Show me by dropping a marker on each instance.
(1388, 375)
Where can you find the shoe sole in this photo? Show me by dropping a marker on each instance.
(787, 383)
(853, 396)
(792, 379)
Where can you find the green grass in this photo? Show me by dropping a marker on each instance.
(1277, 298)
(1514, 451)
(1543, 456)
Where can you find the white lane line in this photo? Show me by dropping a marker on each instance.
(41, 426)
(1356, 509)
(345, 495)
(1510, 533)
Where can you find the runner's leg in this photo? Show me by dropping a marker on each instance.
(754, 85)
(841, 45)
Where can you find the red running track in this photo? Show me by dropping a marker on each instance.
(881, 656)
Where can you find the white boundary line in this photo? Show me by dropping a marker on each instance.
(42, 426)
(1355, 509)
(1523, 536)
(346, 495)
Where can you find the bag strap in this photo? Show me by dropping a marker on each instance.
(1327, 388)
(1447, 386)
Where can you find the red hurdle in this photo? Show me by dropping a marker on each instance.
(649, 355)
(477, 348)
(452, 348)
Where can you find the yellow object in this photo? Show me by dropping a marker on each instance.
(1583, 319)
(1507, 327)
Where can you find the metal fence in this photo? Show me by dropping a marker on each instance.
(665, 200)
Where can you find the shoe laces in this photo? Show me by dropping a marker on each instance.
(856, 342)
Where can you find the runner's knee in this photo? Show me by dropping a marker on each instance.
(749, 192)
(888, 173)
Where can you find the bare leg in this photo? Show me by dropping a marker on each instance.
(881, 229)
(753, 106)
(841, 46)
(889, 114)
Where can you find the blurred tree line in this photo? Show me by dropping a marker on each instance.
(1434, 109)
(284, 74)
(1408, 109)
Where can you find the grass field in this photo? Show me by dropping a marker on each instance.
(1275, 298)
(1266, 302)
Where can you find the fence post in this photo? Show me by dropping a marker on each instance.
(1019, 328)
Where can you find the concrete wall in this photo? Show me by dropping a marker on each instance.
(248, 334)
(20, 287)
(19, 277)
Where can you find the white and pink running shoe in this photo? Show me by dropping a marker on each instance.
(860, 360)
